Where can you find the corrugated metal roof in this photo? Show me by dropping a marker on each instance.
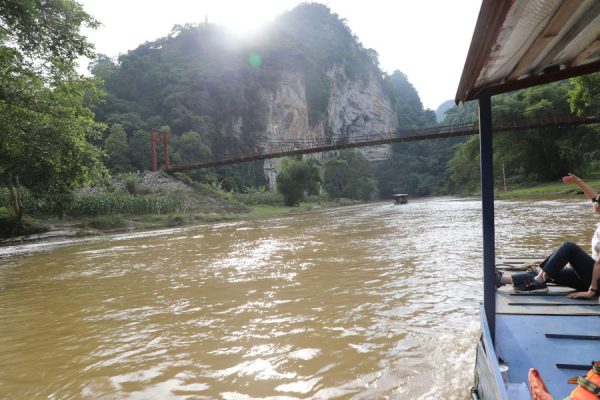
(522, 43)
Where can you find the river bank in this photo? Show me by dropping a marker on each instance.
(545, 190)
(71, 227)
(144, 201)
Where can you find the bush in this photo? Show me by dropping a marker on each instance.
(176, 220)
(104, 222)
(6, 212)
(183, 178)
(254, 198)
(349, 175)
(297, 178)
(322, 197)
(9, 226)
(131, 183)
(213, 217)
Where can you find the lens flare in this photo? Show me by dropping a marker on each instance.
(255, 60)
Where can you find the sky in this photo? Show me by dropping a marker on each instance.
(428, 40)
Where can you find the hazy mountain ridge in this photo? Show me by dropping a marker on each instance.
(440, 112)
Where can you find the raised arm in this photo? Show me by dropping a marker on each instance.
(589, 192)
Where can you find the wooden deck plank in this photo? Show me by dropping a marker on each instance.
(554, 304)
(522, 343)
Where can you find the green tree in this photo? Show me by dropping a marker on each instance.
(584, 95)
(139, 150)
(532, 155)
(418, 168)
(349, 175)
(297, 178)
(117, 149)
(464, 167)
(190, 147)
(45, 122)
(462, 114)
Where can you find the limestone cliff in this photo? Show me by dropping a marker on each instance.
(356, 108)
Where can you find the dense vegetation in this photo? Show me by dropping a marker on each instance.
(418, 168)
(60, 131)
(531, 156)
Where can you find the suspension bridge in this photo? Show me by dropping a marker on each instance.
(292, 147)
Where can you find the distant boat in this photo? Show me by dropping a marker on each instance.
(400, 198)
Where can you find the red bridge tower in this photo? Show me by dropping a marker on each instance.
(157, 136)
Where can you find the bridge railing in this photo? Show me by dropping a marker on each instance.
(288, 147)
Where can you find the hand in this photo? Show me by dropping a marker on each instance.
(570, 178)
(582, 295)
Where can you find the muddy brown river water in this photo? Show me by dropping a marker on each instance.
(371, 301)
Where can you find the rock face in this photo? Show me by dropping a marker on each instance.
(359, 108)
(356, 108)
(286, 119)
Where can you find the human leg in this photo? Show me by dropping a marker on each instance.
(523, 282)
(578, 275)
(568, 277)
(568, 266)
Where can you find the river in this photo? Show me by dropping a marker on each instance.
(372, 301)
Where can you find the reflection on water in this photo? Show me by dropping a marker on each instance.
(359, 302)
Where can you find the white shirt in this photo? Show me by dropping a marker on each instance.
(596, 243)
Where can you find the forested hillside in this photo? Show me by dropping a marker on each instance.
(213, 92)
(418, 168)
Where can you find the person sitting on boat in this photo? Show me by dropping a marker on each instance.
(568, 266)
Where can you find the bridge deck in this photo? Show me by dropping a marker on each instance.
(298, 147)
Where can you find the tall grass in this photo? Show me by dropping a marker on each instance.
(102, 204)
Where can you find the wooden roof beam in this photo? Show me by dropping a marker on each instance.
(591, 53)
(560, 18)
(569, 36)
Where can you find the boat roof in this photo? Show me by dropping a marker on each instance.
(521, 43)
(518, 44)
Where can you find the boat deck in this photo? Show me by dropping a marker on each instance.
(557, 335)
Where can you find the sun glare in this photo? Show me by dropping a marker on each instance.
(244, 25)
(245, 18)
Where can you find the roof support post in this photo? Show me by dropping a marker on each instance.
(487, 207)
